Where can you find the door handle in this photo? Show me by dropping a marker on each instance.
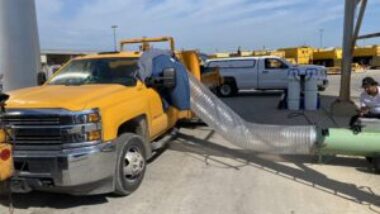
(265, 72)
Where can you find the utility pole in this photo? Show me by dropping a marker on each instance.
(321, 31)
(343, 106)
(347, 50)
(114, 27)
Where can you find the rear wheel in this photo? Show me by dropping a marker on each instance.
(227, 89)
(131, 164)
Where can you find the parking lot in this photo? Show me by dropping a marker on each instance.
(200, 172)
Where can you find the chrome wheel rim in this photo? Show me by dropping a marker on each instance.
(134, 163)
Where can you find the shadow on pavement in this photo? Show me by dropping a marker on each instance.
(259, 93)
(61, 201)
(51, 200)
(303, 175)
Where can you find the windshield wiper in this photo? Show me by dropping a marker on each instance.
(73, 84)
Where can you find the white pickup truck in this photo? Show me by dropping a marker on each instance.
(259, 73)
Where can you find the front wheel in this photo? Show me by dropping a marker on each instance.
(376, 164)
(131, 163)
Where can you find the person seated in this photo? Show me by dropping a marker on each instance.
(369, 101)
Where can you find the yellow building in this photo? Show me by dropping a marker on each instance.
(327, 57)
(301, 55)
(367, 51)
(268, 53)
(366, 55)
(220, 55)
(375, 63)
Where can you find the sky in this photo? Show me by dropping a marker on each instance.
(208, 25)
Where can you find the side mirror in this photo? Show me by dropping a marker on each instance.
(41, 78)
(3, 98)
(169, 76)
(166, 81)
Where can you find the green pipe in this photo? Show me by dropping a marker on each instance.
(345, 141)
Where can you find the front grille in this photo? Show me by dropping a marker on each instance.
(37, 118)
(37, 135)
(31, 121)
(40, 129)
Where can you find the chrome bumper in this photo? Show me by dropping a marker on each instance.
(79, 171)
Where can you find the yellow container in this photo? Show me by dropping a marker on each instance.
(367, 51)
(302, 55)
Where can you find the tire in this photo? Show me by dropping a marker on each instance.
(376, 164)
(369, 159)
(4, 189)
(142, 130)
(130, 165)
(321, 88)
(227, 89)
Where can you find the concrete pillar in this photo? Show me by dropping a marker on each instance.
(19, 44)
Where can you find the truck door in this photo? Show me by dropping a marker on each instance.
(243, 71)
(273, 74)
(159, 118)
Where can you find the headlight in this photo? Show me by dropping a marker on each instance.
(91, 116)
(86, 127)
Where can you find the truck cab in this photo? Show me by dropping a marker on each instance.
(259, 73)
(90, 128)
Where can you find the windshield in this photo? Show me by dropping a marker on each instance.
(97, 71)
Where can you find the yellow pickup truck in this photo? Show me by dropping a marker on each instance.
(85, 131)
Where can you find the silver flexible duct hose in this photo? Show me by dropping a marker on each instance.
(256, 137)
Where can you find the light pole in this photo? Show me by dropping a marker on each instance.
(321, 31)
(114, 27)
